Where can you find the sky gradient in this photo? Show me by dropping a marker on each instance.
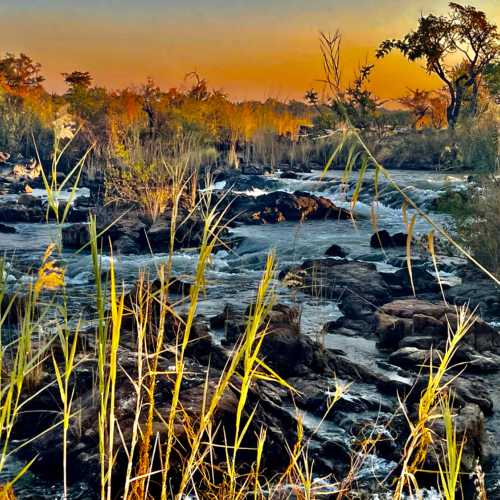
(249, 48)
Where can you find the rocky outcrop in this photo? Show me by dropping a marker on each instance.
(280, 206)
(336, 251)
(358, 286)
(32, 209)
(479, 292)
(18, 169)
(412, 328)
(131, 234)
(383, 239)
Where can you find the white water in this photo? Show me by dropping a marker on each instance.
(233, 275)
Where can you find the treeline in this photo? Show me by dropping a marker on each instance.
(110, 120)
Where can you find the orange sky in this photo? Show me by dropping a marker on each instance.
(250, 48)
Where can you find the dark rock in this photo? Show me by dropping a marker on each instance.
(417, 324)
(7, 229)
(399, 239)
(280, 206)
(381, 239)
(336, 251)
(75, 236)
(30, 201)
(343, 280)
(414, 358)
(478, 293)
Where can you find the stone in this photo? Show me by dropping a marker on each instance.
(381, 239)
(345, 281)
(336, 251)
(280, 206)
(7, 229)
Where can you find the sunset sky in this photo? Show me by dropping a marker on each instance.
(249, 48)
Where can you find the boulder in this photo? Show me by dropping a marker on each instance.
(382, 239)
(336, 251)
(7, 229)
(280, 206)
(419, 324)
(345, 281)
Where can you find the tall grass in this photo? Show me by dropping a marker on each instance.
(430, 408)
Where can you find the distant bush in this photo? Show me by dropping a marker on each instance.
(478, 221)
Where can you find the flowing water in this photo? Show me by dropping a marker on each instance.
(233, 275)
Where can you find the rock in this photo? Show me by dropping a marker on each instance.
(382, 239)
(288, 175)
(413, 323)
(254, 169)
(414, 358)
(75, 236)
(15, 170)
(343, 280)
(12, 213)
(399, 239)
(7, 229)
(390, 330)
(478, 293)
(30, 201)
(126, 245)
(469, 427)
(280, 206)
(336, 251)
(420, 342)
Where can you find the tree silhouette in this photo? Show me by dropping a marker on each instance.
(465, 32)
(20, 74)
(77, 80)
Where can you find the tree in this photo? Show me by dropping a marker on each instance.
(465, 32)
(20, 74)
(492, 80)
(77, 81)
(417, 101)
(356, 100)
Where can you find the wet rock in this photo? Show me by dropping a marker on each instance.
(7, 229)
(254, 169)
(16, 169)
(30, 201)
(343, 280)
(417, 324)
(336, 251)
(348, 326)
(414, 358)
(280, 206)
(75, 236)
(188, 234)
(479, 293)
(12, 213)
(382, 239)
(469, 428)
(390, 329)
(126, 245)
(399, 239)
(232, 320)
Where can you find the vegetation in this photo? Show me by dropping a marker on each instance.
(150, 147)
(465, 32)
